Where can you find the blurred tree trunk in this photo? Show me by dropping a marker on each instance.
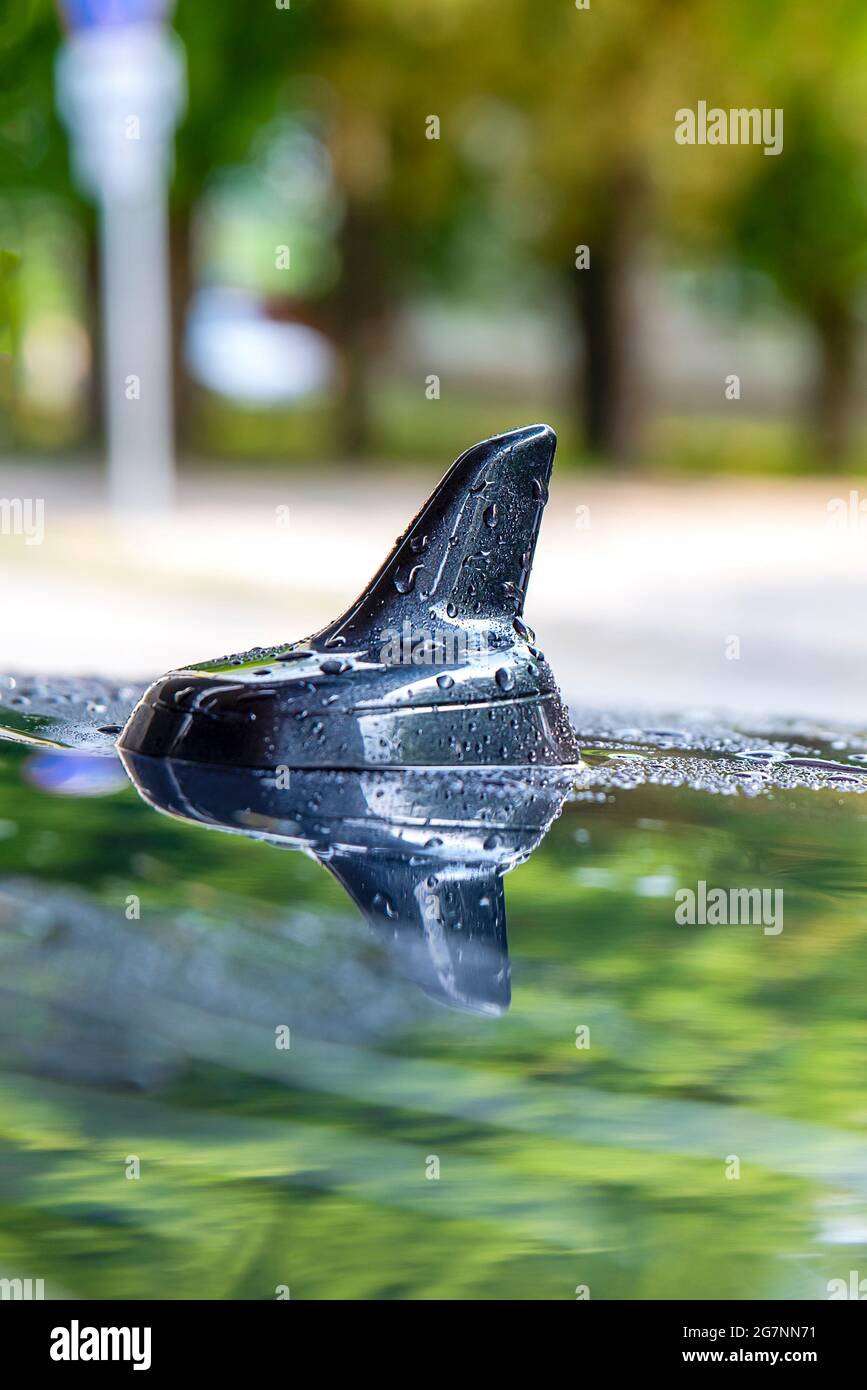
(836, 332)
(357, 316)
(610, 386)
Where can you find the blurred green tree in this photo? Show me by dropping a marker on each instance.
(804, 223)
(386, 69)
(799, 217)
(556, 131)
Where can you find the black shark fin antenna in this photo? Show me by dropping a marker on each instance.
(467, 556)
(431, 666)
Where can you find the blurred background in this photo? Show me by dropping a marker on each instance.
(389, 229)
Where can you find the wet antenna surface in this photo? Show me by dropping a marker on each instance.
(433, 663)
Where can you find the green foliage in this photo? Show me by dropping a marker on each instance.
(9, 317)
(804, 222)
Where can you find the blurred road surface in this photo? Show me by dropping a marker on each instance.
(745, 596)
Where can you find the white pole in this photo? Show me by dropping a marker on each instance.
(121, 91)
(137, 384)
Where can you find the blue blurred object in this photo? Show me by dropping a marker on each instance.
(75, 774)
(235, 350)
(97, 14)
